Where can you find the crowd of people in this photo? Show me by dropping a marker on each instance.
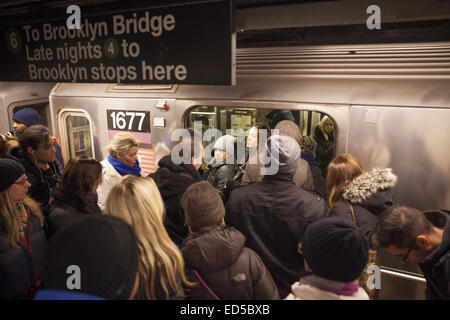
(104, 230)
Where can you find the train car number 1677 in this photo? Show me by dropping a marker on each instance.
(128, 120)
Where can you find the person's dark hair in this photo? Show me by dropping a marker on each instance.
(260, 126)
(399, 226)
(193, 143)
(80, 174)
(33, 136)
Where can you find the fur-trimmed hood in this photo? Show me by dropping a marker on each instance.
(368, 184)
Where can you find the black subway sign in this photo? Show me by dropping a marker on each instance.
(190, 44)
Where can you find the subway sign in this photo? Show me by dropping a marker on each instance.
(182, 44)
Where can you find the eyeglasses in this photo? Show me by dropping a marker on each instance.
(404, 258)
(22, 182)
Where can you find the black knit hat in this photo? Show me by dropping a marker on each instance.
(10, 171)
(202, 205)
(105, 250)
(335, 249)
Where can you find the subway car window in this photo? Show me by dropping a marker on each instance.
(42, 108)
(78, 136)
(239, 120)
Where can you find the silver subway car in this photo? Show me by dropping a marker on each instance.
(389, 103)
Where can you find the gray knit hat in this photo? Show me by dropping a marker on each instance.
(284, 152)
(10, 171)
(202, 205)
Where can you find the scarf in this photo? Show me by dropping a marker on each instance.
(124, 169)
(307, 157)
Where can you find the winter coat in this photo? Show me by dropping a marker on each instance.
(231, 270)
(273, 215)
(219, 174)
(318, 178)
(370, 194)
(42, 182)
(110, 178)
(68, 207)
(160, 294)
(302, 177)
(20, 268)
(324, 151)
(172, 181)
(436, 268)
(313, 288)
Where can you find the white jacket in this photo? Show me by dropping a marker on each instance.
(305, 291)
(110, 178)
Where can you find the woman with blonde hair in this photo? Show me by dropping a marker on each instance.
(161, 266)
(22, 236)
(121, 160)
(324, 136)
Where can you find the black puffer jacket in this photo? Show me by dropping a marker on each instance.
(219, 174)
(273, 215)
(20, 267)
(231, 270)
(42, 182)
(172, 181)
(436, 268)
(324, 151)
(68, 207)
(369, 194)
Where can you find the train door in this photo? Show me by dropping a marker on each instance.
(76, 132)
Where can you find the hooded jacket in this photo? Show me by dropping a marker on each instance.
(436, 268)
(172, 181)
(68, 207)
(273, 215)
(231, 270)
(370, 194)
(42, 182)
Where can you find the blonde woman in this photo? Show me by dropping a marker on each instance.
(22, 237)
(121, 160)
(324, 136)
(161, 267)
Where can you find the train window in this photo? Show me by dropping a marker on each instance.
(238, 120)
(42, 108)
(76, 133)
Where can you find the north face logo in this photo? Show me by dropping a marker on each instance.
(240, 277)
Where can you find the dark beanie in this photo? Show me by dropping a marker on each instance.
(335, 249)
(105, 250)
(27, 116)
(10, 171)
(202, 205)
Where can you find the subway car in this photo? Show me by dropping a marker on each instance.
(390, 104)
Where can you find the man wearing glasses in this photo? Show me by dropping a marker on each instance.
(424, 238)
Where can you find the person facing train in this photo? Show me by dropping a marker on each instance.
(223, 168)
(22, 236)
(420, 237)
(273, 214)
(335, 253)
(36, 152)
(121, 160)
(309, 146)
(215, 254)
(324, 136)
(77, 195)
(138, 201)
(356, 195)
(174, 177)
